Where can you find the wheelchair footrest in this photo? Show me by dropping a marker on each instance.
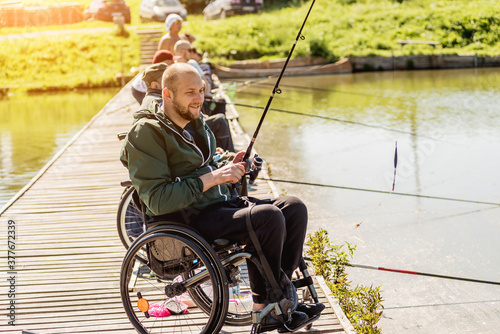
(306, 281)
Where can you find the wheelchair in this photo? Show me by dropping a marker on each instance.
(173, 280)
(129, 219)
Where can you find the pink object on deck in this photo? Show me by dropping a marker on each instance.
(159, 310)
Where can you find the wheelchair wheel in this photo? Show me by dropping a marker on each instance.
(149, 296)
(129, 218)
(240, 296)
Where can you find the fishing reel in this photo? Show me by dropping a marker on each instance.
(255, 168)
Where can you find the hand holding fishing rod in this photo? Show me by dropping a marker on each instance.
(252, 169)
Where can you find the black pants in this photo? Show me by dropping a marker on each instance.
(280, 225)
(220, 127)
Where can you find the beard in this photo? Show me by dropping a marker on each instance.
(183, 111)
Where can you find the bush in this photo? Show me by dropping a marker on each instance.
(362, 305)
(319, 48)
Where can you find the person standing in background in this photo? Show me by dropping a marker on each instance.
(173, 35)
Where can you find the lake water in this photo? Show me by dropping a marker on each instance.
(34, 127)
(450, 148)
(447, 132)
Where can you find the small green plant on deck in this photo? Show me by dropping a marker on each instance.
(362, 305)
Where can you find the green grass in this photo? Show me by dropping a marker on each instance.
(335, 29)
(65, 62)
(369, 27)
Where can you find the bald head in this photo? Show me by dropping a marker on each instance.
(183, 93)
(174, 73)
(180, 46)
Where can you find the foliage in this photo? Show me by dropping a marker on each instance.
(339, 28)
(69, 61)
(362, 305)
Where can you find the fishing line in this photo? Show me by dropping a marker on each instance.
(258, 82)
(333, 119)
(261, 82)
(411, 272)
(380, 191)
(240, 84)
(421, 223)
(442, 304)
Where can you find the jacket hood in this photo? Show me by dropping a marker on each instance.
(153, 109)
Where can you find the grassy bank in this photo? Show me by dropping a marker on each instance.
(358, 27)
(71, 61)
(335, 29)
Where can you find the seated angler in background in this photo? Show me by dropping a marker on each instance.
(183, 50)
(152, 79)
(138, 86)
(204, 65)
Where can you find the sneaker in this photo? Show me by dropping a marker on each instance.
(270, 323)
(311, 309)
(298, 318)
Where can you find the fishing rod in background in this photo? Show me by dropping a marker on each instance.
(276, 89)
(411, 272)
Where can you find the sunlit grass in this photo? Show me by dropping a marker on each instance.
(68, 61)
(366, 27)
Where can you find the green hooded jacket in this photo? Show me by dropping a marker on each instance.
(164, 165)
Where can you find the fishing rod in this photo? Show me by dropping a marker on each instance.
(411, 272)
(380, 191)
(276, 89)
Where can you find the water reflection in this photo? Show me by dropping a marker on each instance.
(34, 127)
(451, 149)
(452, 110)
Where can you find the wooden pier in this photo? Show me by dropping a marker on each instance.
(67, 251)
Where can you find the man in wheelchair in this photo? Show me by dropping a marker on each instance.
(169, 154)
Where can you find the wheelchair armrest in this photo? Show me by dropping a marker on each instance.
(126, 183)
